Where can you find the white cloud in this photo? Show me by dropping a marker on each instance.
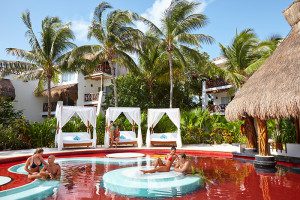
(155, 12)
(80, 28)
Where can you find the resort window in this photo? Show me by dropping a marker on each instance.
(68, 77)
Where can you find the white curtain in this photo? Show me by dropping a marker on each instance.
(132, 114)
(153, 118)
(64, 114)
(174, 116)
(154, 115)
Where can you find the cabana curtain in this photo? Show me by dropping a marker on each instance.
(154, 115)
(132, 114)
(64, 114)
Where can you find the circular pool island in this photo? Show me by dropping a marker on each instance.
(131, 182)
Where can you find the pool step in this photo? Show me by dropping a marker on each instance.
(166, 184)
(38, 189)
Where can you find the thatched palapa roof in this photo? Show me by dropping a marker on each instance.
(274, 90)
(7, 89)
(70, 90)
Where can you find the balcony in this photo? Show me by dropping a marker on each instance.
(53, 107)
(91, 97)
(103, 68)
(217, 108)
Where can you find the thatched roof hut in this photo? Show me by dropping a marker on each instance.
(274, 90)
(7, 89)
(70, 90)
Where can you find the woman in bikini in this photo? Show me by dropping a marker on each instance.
(34, 163)
(165, 166)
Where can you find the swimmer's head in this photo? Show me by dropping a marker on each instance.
(173, 150)
(182, 156)
(51, 159)
(39, 151)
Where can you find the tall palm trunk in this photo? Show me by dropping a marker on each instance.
(250, 133)
(114, 83)
(171, 77)
(49, 96)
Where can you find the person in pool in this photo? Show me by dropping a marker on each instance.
(111, 129)
(50, 171)
(34, 163)
(163, 166)
(183, 165)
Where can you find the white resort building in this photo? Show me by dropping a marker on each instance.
(73, 88)
(215, 92)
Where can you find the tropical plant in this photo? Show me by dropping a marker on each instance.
(13, 126)
(245, 55)
(177, 34)
(44, 60)
(114, 35)
(134, 91)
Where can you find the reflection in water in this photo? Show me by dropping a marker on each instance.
(227, 179)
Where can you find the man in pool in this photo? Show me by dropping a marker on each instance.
(183, 165)
(163, 166)
(50, 171)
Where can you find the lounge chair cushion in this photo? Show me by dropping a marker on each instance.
(127, 136)
(163, 137)
(76, 137)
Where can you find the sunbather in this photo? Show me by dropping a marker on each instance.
(50, 171)
(34, 163)
(163, 166)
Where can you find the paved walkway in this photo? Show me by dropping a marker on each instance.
(193, 147)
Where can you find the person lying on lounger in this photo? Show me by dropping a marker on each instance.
(50, 171)
(34, 163)
(183, 165)
(163, 166)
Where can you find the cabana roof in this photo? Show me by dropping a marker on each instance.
(274, 90)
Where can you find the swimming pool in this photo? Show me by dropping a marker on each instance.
(82, 178)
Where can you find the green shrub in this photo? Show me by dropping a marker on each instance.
(13, 127)
(42, 134)
(199, 126)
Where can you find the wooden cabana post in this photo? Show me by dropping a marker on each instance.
(262, 137)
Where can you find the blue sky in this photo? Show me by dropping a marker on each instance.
(225, 16)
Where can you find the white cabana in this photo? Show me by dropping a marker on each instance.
(154, 115)
(134, 117)
(63, 114)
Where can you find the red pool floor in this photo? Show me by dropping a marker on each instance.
(226, 179)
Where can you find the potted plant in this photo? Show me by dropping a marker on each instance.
(277, 137)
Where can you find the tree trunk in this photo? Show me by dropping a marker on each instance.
(297, 127)
(49, 96)
(112, 67)
(262, 137)
(171, 78)
(150, 85)
(250, 132)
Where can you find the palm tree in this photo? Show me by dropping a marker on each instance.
(244, 56)
(43, 61)
(179, 23)
(114, 35)
(152, 62)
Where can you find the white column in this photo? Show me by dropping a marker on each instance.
(204, 95)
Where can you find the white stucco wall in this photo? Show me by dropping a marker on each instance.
(25, 100)
(217, 97)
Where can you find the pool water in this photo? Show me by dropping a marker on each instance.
(225, 179)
